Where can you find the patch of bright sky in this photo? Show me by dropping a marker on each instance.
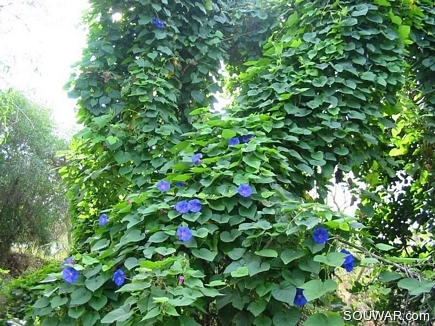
(40, 40)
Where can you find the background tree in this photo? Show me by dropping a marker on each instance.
(33, 209)
(28, 66)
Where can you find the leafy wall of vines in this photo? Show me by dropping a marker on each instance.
(183, 216)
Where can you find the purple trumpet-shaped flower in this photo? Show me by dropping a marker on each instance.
(182, 207)
(158, 23)
(247, 138)
(163, 185)
(300, 299)
(103, 220)
(70, 274)
(234, 141)
(119, 277)
(320, 235)
(244, 190)
(348, 261)
(196, 159)
(184, 233)
(194, 205)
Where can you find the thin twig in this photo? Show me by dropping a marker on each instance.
(18, 108)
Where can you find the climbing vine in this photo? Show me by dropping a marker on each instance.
(185, 216)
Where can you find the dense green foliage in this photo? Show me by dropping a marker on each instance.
(399, 205)
(331, 85)
(327, 90)
(32, 203)
(129, 67)
(17, 296)
(413, 139)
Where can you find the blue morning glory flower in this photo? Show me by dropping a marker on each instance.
(163, 185)
(247, 138)
(103, 220)
(244, 190)
(158, 23)
(320, 235)
(300, 299)
(196, 159)
(69, 260)
(182, 207)
(234, 141)
(70, 275)
(194, 205)
(348, 261)
(179, 184)
(184, 233)
(119, 277)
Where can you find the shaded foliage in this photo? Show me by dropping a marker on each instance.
(17, 295)
(32, 204)
(403, 198)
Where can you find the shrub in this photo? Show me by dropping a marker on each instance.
(17, 296)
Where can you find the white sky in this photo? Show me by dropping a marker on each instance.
(40, 40)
